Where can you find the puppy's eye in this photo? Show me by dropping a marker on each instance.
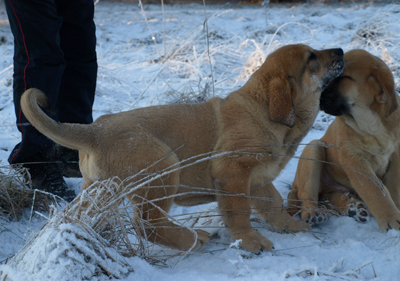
(347, 77)
(312, 57)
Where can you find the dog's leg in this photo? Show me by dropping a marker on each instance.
(160, 230)
(392, 179)
(308, 180)
(293, 202)
(268, 205)
(84, 203)
(234, 189)
(153, 203)
(375, 195)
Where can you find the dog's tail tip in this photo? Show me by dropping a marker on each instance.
(74, 136)
(38, 96)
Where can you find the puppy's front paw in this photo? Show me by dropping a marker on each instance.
(390, 222)
(254, 242)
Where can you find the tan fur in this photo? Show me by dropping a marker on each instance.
(368, 137)
(264, 120)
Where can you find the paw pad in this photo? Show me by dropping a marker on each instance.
(317, 219)
(358, 211)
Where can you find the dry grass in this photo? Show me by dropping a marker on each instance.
(16, 196)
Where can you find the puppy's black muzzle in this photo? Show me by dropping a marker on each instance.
(336, 68)
(332, 101)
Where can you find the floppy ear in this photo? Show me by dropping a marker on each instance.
(388, 93)
(281, 107)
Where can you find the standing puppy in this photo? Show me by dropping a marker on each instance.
(363, 167)
(259, 128)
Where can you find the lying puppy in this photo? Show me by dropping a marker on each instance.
(366, 167)
(259, 126)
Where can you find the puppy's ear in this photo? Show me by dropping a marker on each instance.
(281, 107)
(388, 93)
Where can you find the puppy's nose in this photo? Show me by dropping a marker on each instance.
(339, 52)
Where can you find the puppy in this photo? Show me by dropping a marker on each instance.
(363, 166)
(257, 128)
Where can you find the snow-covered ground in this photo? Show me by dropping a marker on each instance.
(147, 57)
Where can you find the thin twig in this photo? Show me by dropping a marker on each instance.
(208, 45)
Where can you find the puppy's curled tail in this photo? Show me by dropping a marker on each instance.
(75, 136)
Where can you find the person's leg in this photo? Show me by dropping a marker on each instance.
(78, 42)
(39, 63)
(78, 84)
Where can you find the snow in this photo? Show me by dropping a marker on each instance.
(130, 50)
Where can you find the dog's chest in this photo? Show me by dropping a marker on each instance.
(288, 144)
(274, 160)
(381, 164)
(380, 158)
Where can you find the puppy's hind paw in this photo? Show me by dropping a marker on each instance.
(358, 211)
(321, 215)
(316, 219)
(202, 238)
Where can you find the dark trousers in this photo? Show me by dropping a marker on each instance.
(54, 51)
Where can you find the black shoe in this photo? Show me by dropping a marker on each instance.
(47, 177)
(68, 161)
(44, 174)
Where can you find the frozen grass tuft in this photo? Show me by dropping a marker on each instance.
(66, 249)
(335, 272)
(379, 34)
(16, 196)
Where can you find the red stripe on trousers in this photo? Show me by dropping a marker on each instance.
(26, 66)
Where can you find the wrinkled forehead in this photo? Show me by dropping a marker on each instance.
(363, 64)
(290, 53)
(290, 58)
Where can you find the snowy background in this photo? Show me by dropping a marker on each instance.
(147, 57)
